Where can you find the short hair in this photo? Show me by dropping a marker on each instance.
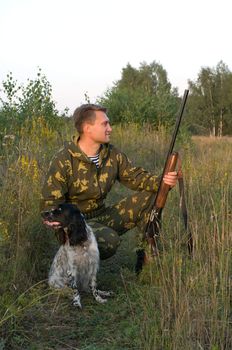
(86, 113)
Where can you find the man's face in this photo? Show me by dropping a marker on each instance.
(100, 131)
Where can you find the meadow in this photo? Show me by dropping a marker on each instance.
(176, 303)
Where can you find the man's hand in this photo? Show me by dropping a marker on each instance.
(171, 178)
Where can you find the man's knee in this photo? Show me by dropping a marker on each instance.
(108, 240)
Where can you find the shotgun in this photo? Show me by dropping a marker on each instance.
(154, 223)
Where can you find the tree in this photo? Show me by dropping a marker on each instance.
(224, 92)
(210, 104)
(142, 95)
(36, 100)
(20, 103)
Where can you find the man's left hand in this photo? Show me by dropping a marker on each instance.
(171, 178)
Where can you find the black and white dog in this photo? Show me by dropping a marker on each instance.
(77, 261)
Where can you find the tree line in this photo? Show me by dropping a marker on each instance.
(145, 96)
(142, 95)
(210, 105)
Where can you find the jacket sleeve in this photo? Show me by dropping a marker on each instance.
(135, 178)
(55, 186)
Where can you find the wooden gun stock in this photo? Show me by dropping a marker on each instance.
(164, 188)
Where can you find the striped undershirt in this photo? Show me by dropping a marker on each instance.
(95, 160)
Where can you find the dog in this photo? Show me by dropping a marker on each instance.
(77, 261)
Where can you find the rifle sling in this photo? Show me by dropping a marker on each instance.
(183, 206)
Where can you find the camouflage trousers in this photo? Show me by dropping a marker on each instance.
(115, 220)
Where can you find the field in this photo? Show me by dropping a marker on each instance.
(177, 302)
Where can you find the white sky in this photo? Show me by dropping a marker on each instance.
(82, 45)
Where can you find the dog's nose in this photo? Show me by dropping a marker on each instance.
(45, 214)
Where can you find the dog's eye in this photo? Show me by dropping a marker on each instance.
(56, 211)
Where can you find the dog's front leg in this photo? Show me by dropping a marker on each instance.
(76, 296)
(76, 299)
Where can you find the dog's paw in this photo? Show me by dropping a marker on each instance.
(100, 299)
(104, 293)
(77, 304)
(77, 301)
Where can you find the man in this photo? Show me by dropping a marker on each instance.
(84, 171)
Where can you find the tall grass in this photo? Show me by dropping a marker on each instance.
(188, 301)
(178, 302)
(23, 164)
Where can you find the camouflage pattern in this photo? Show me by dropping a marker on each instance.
(117, 219)
(72, 177)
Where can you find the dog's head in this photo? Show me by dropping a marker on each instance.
(68, 217)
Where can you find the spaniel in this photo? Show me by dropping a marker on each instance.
(77, 261)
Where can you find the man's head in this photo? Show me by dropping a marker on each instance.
(91, 120)
(86, 114)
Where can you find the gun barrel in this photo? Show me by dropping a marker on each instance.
(178, 121)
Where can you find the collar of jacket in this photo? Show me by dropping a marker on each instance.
(73, 148)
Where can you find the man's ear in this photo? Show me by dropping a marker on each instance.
(86, 128)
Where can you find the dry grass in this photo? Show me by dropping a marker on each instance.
(177, 302)
(205, 140)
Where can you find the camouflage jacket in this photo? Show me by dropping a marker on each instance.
(73, 177)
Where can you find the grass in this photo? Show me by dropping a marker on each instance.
(176, 303)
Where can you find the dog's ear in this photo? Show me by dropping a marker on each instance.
(72, 234)
(77, 235)
(72, 228)
(60, 235)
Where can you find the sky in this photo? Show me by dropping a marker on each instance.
(83, 45)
